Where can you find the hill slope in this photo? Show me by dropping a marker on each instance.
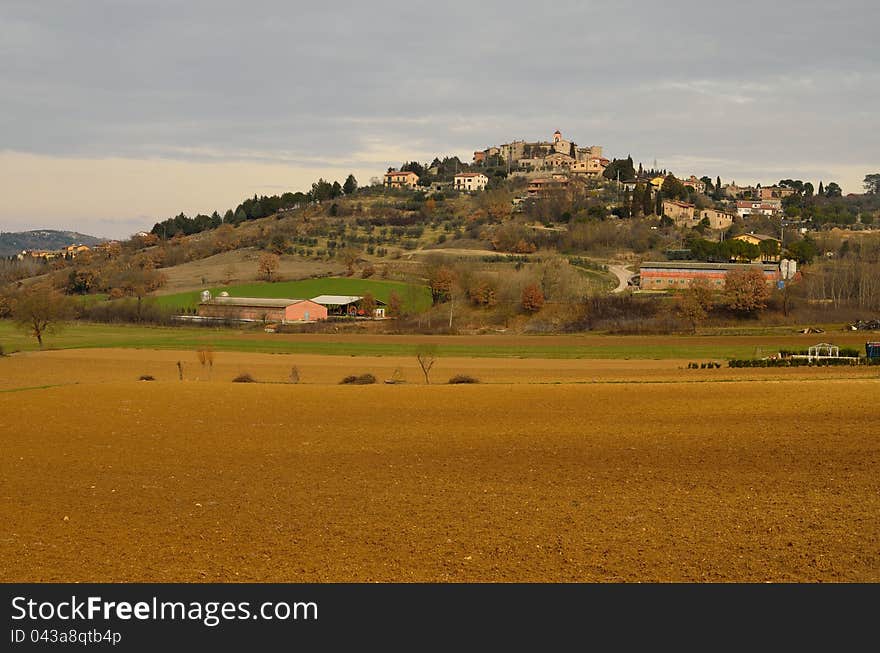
(13, 242)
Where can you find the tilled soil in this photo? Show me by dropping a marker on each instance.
(767, 480)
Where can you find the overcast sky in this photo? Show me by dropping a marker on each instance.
(116, 114)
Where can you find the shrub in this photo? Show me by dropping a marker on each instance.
(294, 374)
(244, 378)
(363, 379)
(463, 378)
(146, 377)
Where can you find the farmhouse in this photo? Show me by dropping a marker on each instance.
(717, 219)
(470, 181)
(397, 179)
(351, 305)
(679, 212)
(760, 207)
(544, 186)
(677, 275)
(770, 247)
(259, 309)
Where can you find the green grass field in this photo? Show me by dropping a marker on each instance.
(698, 348)
(413, 297)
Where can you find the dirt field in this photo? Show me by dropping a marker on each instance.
(70, 366)
(111, 479)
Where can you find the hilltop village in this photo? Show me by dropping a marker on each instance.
(539, 235)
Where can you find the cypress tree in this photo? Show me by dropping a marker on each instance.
(636, 201)
(821, 191)
(647, 201)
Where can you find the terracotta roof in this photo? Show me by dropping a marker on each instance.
(470, 174)
(690, 265)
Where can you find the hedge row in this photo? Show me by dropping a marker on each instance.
(799, 362)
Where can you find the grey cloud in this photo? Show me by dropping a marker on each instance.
(779, 82)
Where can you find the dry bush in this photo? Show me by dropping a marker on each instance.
(396, 377)
(532, 298)
(146, 377)
(463, 378)
(363, 379)
(206, 357)
(244, 378)
(294, 374)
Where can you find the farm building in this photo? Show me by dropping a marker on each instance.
(258, 309)
(351, 305)
(675, 275)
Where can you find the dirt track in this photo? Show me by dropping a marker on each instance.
(169, 481)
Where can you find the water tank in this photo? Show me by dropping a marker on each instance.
(206, 296)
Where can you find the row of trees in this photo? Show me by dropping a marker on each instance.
(745, 292)
(254, 208)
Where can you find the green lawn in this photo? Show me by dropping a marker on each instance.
(81, 335)
(413, 297)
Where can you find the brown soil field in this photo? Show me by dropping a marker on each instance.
(764, 480)
(71, 366)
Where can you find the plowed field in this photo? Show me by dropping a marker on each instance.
(756, 477)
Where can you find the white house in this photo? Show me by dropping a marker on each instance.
(470, 181)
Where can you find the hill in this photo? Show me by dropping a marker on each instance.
(13, 242)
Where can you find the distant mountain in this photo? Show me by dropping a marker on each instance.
(12, 242)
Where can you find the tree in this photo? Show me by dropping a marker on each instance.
(672, 188)
(746, 291)
(427, 356)
(350, 256)
(637, 202)
(40, 312)
(647, 200)
(80, 282)
(532, 298)
(803, 251)
(833, 190)
(718, 190)
(808, 189)
(872, 184)
(622, 166)
(350, 185)
(138, 281)
(225, 239)
(268, 265)
(695, 302)
(707, 184)
(441, 281)
(395, 305)
(821, 191)
(229, 272)
(368, 304)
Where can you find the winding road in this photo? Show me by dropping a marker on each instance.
(623, 276)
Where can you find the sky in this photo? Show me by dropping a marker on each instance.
(116, 114)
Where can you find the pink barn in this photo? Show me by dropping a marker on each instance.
(258, 309)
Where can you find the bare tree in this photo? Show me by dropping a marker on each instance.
(206, 359)
(268, 266)
(40, 312)
(695, 302)
(427, 356)
(350, 256)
